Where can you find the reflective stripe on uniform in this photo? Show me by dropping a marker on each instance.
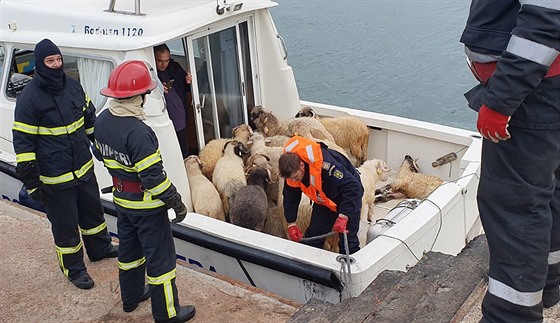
(531, 50)
(160, 188)
(511, 295)
(165, 280)
(148, 161)
(25, 128)
(554, 257)
(113, 164)
(45, 131)
(309, 150)
(68, 176)
(132, 264)
(138, 205)
(61, 251)
(89, 131)
(550, 4)
(292, 145)
(92, 231)
(24, 157)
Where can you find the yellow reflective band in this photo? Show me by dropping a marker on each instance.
(63, 130)
(163, 278)
(148, 161)
(138, 205)
(68, 176)
(69, 250)
(61, 263)
(161, 187)
(88, 100)
(23, 157)
(89, 131)
(113, 164)
(25, 128)
(132, 264)
(97, 229)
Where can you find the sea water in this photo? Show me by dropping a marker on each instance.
(390, 56)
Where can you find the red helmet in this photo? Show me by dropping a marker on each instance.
(129, 79)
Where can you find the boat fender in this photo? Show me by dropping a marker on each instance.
(393, 217)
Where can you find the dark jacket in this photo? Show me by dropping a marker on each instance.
(490, 26)
(340, 183)
(175, 71)
(54, 129)
(130, 151)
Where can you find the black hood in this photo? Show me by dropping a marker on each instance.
(52, 80)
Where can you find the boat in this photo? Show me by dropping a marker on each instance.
(238, 60)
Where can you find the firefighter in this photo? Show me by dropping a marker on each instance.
(330, 180)
(142, 193)
(53, 120)
(513, 48)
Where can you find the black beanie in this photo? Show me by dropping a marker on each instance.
(52, 79)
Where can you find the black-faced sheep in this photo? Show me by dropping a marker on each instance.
(205, 198)
(348, 132)
(249, 208)
(210, 154)
(229, 174)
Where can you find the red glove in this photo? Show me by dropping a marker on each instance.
(340, 224)
(294, 232)
(492, 125)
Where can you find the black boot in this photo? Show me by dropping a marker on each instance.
(112, 253)
(83, 282)
(184, 313)
(551, 298)
(131, 307)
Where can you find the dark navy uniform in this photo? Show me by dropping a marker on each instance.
(130, 152)
(52, 120)
(341, 184)
(514, 48)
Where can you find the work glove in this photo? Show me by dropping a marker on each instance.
(294, 232)
(178, 206)
(41, 193)
(492, 125)
(340, 224)
(28, 172)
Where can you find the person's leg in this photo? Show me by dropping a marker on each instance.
(62, 212)
(156, 237)
(322, 221)
(514, 193)
(551, 294)
(131, 262)
(92, 221)
(183, 142)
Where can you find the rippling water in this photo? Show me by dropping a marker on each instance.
(396, 57)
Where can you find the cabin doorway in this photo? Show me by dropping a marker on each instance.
(223, 87)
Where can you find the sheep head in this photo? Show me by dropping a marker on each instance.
(306, 112)
(409, 165)
(242, 132)
(382, 169)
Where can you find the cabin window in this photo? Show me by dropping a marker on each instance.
(91, 73)
(2, 54)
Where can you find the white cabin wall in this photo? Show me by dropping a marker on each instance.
(278, 86)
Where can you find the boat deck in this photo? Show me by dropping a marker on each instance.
(34, 290)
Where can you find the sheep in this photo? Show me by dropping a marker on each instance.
(249, 208)
(205, 198)
(348, 132)
(409, 183)
(370, 172)
(273, 225)
(260, 160)
(210, 154)
(276, 141)
(267, 123)
(229, 174)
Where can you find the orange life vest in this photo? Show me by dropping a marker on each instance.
(310, 152)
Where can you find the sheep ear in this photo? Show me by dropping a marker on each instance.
(269, 178)
(313, 114)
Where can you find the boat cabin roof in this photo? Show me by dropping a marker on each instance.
(89, 24)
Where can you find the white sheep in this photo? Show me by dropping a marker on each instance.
(229, 174)
(212, 151)
(370, 172)
(249, 208)
(409, 183)
(348, 132)
(205, 198)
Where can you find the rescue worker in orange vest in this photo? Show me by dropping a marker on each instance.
(513, 50)
(330, 180)
(142, 194)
